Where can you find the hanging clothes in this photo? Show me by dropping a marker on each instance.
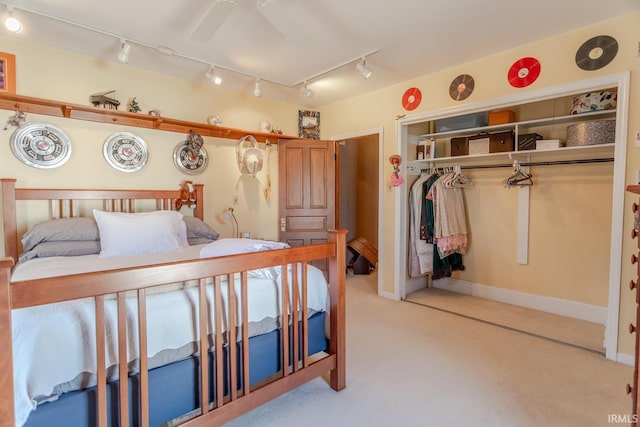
(420, 252)
(448, 217)
(450, 231)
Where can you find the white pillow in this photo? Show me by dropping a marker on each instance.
(231, 246)
(140, 233)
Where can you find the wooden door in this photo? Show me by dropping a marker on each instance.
(306, 190)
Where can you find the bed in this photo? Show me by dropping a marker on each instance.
(91, 339)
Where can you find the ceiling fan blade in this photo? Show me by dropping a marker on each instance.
(279, 15)
(213, 19)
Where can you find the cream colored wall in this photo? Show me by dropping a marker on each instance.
(58, 75)
(560, 229)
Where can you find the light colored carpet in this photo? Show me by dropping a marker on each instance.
(411, 366)
(565, 329)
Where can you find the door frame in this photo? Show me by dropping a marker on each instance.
(619, 80)
(358, 134)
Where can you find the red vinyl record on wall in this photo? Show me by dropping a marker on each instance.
(411, 98)
(523, 72)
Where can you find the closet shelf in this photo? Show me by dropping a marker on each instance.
(52, 108)
(585, 152)
(603, 114)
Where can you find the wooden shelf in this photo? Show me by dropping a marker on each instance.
(48, 107)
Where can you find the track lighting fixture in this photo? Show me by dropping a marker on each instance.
(306, 91)
(12, 23)
(257, 90)
(123, 55)
(362, 67)
(215, 78)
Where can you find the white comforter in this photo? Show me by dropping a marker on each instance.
(53, 344)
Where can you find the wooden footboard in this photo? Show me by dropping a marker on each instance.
(240, 398)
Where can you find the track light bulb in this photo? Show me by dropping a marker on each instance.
(362, 67)
(306, 91)
(257, 90)
(123, 55)
(11, 23)
(215, 78)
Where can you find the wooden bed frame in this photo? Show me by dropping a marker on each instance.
(241, 398)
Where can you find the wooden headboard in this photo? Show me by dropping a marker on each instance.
(63, 203)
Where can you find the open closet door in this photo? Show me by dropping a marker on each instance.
(306, 190)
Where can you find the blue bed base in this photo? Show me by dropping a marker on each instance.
(173, 388)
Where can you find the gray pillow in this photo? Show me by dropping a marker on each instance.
(198, 231)
(63, 229)
(61, 248)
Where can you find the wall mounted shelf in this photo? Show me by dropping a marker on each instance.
(48, 107)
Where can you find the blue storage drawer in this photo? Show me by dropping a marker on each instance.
(466, 121)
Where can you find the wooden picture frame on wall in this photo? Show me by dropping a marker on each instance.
(309, 124)
(7, 73)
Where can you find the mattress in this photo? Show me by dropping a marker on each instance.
(54, 344)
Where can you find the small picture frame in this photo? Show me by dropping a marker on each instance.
(7, 73)
(309, 124)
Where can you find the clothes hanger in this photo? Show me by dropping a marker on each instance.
(519, 177)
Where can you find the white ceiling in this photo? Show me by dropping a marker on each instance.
(410, 38)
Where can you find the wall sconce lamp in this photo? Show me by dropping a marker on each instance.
(12, 23)
(362, 67)
(257, 89)
(228, 216)
(306, 91)
(123, 55)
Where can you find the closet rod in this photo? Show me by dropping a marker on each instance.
(550, 163)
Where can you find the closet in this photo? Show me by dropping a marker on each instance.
(518, 230)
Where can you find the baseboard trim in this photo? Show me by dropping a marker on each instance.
(576, 310)
(625, 359)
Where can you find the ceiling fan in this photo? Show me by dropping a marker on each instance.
(275, 11)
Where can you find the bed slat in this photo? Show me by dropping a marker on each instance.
(204, 346)
(100, 361)
(144, 362)
(218, 342)
(246, 388)
(123, 368)
(305, 318)
(231, 334)
(294, 317)
(284, 323)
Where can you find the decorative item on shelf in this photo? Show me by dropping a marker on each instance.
(524, 72)
(276, 130)
(396, 178)
(134, 107)
(461, 87)
(228, 216)
(214, 120)
(187, 196)
(125, 151)
(249, 156)
(594, 101)
(41, 145)
(155, 112)
(501, 117)
(7, 73)
(101, 99)
(596, 52)
(591, 133)
(265, 126)
(309, 124)
(411, 98)
(190, 156)
(16, 120)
